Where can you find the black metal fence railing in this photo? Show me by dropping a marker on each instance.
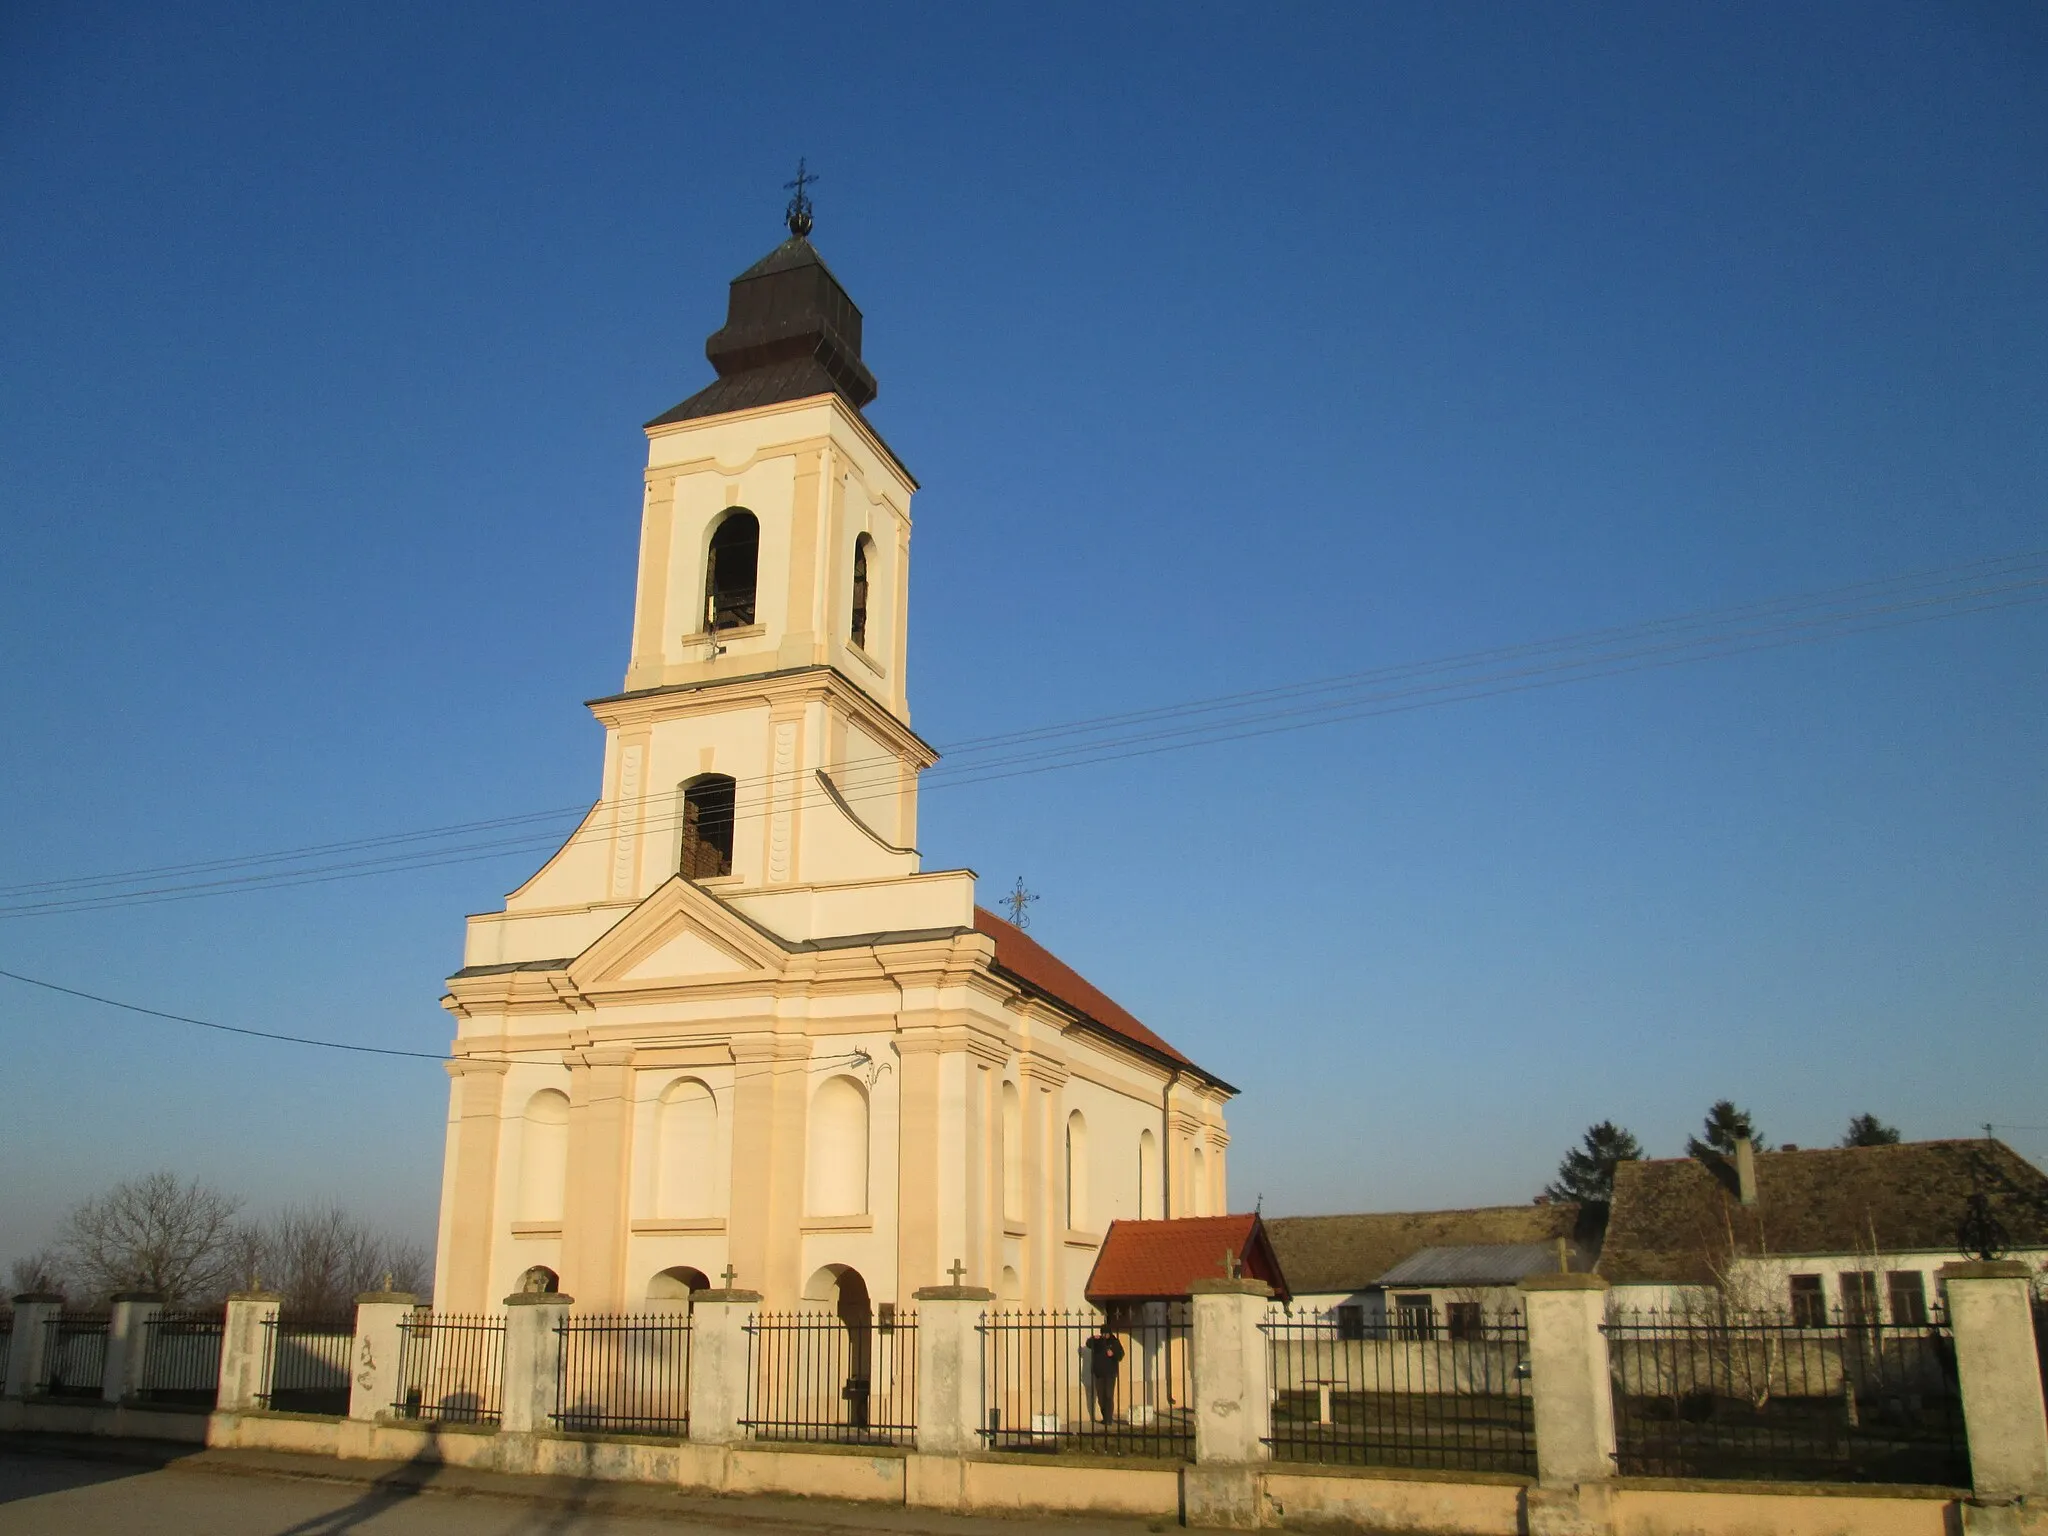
(816, 1376)
(306, 1364)
(181, 1359)
(1403, 1394)
(625, 1375)
(1073, 1382)
(451, 1368)
(1759, 1396)
(74, 1356)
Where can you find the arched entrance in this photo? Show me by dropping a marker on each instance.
(676, 1289)
(851, 1352)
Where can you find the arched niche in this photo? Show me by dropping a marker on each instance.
(676, 1287)
(543, 1157)
(836, 1178)
(686, 1150)
(1077, 1172)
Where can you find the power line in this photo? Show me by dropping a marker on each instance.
(1780, 622)
(806, 1062)
(2029, 567)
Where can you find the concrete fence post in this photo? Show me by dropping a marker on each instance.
(533, 1358)
(246, 1344)
(719, 1363)
(1569, 1380)
(32, 1313)
(1233, 1402)
(375, 1364)
(128, 1330)
(1990, 1309)
(950, 1398)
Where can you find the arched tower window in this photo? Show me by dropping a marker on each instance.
(686, 1150)
(1198, 1183)
(1150, 1207)
(862, 548)
(837, 1181)
(1077, 1173)
(730, 572)
(707, 827)
(1013, 1154)
(543, 1156)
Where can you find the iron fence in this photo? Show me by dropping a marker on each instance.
(181, 1358)
(306, 1363)
(1402, 1395)
(628, 1375)
(451, 1368)
(74, 1356)
(1076, 1382)
(817, 1376)
(1745, 1395)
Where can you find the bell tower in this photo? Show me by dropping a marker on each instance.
(764, 727)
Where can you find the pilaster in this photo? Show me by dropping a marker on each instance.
(30, 1341)
(533, 1358)
(376, 1371)
(246, 1345)
(128, 1330)
(476, 1090)
(1990, 1309)
(719, 1363)
(600, 1140)
(949, 1368)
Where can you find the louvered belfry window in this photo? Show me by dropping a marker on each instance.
(731, 572)
(707, 827)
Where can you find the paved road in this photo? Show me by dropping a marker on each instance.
(235, 1494)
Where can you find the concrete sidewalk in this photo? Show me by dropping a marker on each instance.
(103, 1484)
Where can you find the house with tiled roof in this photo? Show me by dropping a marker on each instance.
(1857, 1232)
(733, 1029)
(1421, 1270)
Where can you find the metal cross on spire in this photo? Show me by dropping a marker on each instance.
(1017, 901)
(799, 211)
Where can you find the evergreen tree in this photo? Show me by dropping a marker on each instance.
(1725, 1125)
(1587, 1173)
(1869, 1131)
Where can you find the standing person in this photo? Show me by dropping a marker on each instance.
(1105, 1354)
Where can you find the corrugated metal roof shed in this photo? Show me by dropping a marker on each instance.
(1475, 1264)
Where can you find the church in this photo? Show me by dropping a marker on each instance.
(732, 1032)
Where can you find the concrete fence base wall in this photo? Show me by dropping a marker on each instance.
(1255, 1494)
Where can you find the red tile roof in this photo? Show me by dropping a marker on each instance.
(1040, 969)
(1161, 1260)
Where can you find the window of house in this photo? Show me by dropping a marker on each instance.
(1908, 1288)
(1464, 1319)
(861, 546)
(707, 827)
(1350, 1322)
(1859, 1296)
(1415, 1316)
(730, 571)
(1809, 1302)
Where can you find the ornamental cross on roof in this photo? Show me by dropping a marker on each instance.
(799, 211)
(1017, 901)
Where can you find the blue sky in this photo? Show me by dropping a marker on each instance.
(1229, 352)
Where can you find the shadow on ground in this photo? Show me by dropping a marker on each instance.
(33, 1465)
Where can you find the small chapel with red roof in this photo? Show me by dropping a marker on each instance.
(734, 1033)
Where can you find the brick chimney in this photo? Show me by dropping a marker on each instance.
(1745, 1170)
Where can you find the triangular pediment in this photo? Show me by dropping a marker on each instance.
(679, 935)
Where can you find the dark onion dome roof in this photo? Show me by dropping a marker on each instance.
(790, 333)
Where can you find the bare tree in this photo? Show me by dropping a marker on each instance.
(42, 1271)
(155, 1233)
(321, 1257)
